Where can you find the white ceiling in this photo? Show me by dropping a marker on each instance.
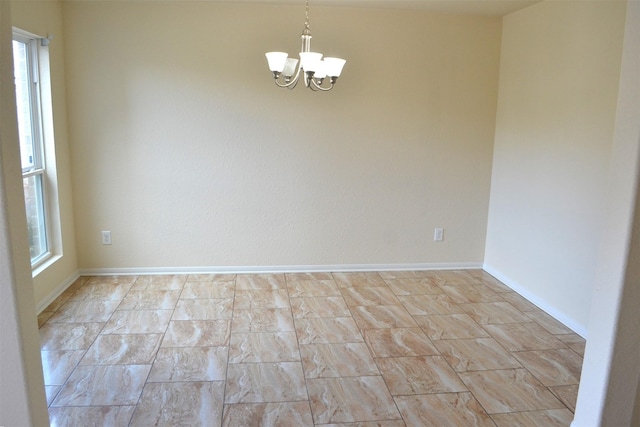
(476, 7)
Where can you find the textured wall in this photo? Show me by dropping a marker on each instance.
(609, 393)
(186, 151)
(560, 66)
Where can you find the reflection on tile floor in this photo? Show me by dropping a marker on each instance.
(399, 348)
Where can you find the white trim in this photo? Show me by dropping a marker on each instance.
(570, 323)
(278, 269)
(57, 292)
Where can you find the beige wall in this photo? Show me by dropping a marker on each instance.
(610, 376)
(186, 151)
(44, 18)
(560, 63)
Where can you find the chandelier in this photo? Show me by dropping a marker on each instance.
(313, 68)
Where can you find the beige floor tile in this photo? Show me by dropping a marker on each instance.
(115, 280)
(190, 364)
(552, 367)
(462, 294)
(419, 375)
(423, 305)
(510, 390)
(255, 282)
(450, 326)
(43, 317)
(268, 414)
(494, 312)
(57, 365)
(519, 302)
(523, 337)
(413, 286)
(549, 418)
(274, 298)
(84, 311)
(327, 330)
(347, 280)
(494, 284)
(344, 400)
(549, 323)
(265, 382)
(303, 277)
(377, 295)
(262, 320)
(118, 385)
(337, 360)
(51, 391)
(138, 322)
(255, 347)
(203, 309)
(150, 300)
(205, 289)
(78, 283)
(319, 307)
(313, 288)
(476, 354)
(399, 342)
(449, 409)
(58, 302)
(571, 338)
(215, 277)
(91, 416)
(382, 316)
(197, 333)
(575, 342)
(180, 404)
(291, 349)
(136, 349)
(101, 291)
(167, 282)
(478, 273)
(391, 423)
(69, 336)
(405, 274)
(568, 394)
(452, 277)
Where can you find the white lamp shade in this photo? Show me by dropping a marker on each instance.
(321, 72)
(333, 66)
(289, 67)
(276, 60)
(309, 60)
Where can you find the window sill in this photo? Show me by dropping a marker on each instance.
(46, 264)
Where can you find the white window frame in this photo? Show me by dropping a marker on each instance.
(35, 47)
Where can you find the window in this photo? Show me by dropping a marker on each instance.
(32, 147)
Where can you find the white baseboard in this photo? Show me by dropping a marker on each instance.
(569, 322)
(336, 268)
(44, 303)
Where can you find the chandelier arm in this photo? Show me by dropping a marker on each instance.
(290, 85)
(316, 87)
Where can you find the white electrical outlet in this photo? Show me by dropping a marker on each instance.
(106, 237)
(438, 234)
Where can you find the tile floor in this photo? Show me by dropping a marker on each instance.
(429, 348)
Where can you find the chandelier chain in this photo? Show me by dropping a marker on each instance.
(306, 13)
